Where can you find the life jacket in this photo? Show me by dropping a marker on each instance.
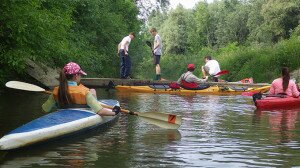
(77, 94)
(174, 85)
(188, 85)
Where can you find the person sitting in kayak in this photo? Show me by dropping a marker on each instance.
(211, 67)
(71, 94)
(189, 81)
(284, 85)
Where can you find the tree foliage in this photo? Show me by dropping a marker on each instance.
(55, 32)
(88, 32)
(241, 34)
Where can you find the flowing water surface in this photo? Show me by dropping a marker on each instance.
(217, 131)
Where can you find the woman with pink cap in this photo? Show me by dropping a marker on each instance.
(71, 94)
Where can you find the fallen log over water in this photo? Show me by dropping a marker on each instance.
(106, 82)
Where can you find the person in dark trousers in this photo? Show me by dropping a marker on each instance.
(125, 61)
(157, 51)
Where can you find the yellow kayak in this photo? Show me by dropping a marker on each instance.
(164, 89)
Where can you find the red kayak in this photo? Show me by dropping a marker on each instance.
(277, 102)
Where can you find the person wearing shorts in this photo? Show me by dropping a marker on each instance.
(157, 51)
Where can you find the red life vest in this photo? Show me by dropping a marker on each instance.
(188, 85)
(77, 93)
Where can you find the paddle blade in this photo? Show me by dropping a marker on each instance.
(223, 72)
(24, 86)
(163, 120)
(149, 44)
(251, 93)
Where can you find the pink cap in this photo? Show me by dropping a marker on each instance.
(72, 68)
(191, 66)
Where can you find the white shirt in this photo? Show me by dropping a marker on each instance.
(157, 40)
(125, 43)
(214, 67)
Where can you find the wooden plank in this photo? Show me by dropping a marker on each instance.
(104, 82)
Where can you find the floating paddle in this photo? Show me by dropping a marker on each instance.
(168, 121)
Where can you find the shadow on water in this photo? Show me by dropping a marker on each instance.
(160, 137)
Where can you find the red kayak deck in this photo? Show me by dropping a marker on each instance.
(277, 103)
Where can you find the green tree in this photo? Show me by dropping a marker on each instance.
(175, 30)
(231, 25)
(273, 20)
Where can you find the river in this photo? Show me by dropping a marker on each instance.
(216, 131)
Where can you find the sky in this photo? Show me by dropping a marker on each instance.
(186, 3)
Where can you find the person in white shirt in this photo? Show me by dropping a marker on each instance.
(211, 67)
(125, 61)
(157, 51)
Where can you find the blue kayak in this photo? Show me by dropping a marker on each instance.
(54, 125)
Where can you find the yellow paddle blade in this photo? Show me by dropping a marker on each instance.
(24, 86)
(164, 120)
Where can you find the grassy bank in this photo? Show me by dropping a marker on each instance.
(262, 62)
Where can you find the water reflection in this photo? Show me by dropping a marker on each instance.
(282, 123)
(217, 131)
(162, 136)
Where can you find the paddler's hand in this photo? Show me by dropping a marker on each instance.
(205, 78)
(116, 109)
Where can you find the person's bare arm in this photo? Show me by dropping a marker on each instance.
(157, 45)
(118, 52)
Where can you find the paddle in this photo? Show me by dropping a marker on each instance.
(250, 93)
(149, 44)
(168, 121)
(223, 72)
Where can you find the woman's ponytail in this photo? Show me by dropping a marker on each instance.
(285, 78)
(63, 95)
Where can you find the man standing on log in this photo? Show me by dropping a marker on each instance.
(157, 51)
(125, 61)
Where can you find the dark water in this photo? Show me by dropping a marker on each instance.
(217, 131)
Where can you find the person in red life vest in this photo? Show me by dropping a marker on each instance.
(71, 94)
(188, 80)
(284, 85)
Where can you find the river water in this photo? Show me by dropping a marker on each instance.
(217, 131)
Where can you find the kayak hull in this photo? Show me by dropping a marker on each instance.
(277, 103)
(55, 125)
(211, 90)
